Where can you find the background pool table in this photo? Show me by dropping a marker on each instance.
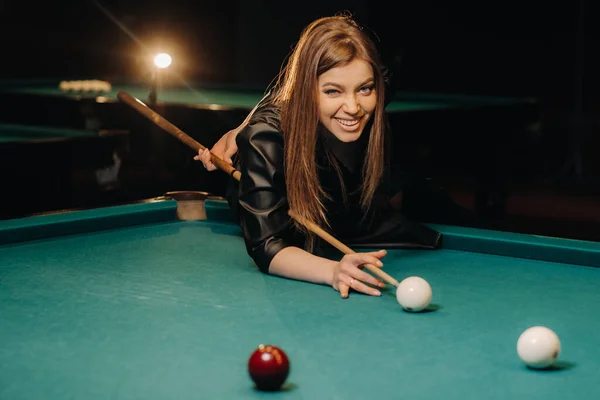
(40, 164)
(219, 96)
(128, 302)
(434, 134)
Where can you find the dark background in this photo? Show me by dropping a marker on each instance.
(508, 48)
(539, 49)
(502, 48)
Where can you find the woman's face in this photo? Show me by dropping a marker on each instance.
(347, 99)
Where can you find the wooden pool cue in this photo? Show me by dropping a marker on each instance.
(175, 131)
(341, 247)
(159, 120)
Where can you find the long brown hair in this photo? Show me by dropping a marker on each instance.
(324, 44)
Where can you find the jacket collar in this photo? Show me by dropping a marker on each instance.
(350, 154)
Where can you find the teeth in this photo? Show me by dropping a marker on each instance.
(347, 123)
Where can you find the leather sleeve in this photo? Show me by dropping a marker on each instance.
(263, 206)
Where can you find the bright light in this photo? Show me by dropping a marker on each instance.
(162, 60)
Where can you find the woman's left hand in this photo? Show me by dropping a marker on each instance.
(225, 148)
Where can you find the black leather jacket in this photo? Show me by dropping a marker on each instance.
(260, 204)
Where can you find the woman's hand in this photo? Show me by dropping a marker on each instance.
(348, 274)
(225, 148)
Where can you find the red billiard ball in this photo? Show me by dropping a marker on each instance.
(269, 367)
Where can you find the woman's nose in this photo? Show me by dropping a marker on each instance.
(351, 105)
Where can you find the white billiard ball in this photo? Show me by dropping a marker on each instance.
(105, 86)
(414, 294)
(67, 86)
(94, 85)
(87, 86)
(76, 86)
(538, 347)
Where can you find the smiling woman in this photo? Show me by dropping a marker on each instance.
(347, 99)
(316, 145)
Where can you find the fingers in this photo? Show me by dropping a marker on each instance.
(373, 258)
(359, 260)
(225, 148)
(206, 161)
(204, 156)
(344, 291)
(358, 284)
(352, 277)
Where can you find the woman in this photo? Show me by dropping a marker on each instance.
(316, 144)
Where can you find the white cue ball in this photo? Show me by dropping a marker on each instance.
(414, 294)
(538, 347)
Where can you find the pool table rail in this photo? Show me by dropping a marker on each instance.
(162, 209)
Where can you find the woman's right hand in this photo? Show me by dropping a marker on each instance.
(348, 273)
(225, 148)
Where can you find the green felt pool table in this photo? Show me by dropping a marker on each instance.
(12, 133)
(128, 302)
